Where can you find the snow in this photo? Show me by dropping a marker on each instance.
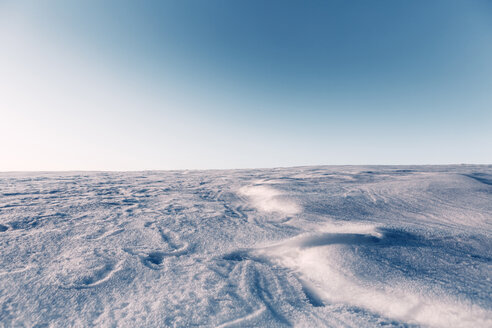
(345, 246)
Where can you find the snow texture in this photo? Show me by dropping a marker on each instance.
(306, 247)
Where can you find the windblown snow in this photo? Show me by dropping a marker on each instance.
(303, 247)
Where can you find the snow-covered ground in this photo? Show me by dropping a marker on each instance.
(304, 247)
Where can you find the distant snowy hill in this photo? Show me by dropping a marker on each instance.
(305, 247)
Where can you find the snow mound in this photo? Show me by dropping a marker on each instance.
(323, 262)
(268, 199)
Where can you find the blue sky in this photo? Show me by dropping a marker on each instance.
(133, 85)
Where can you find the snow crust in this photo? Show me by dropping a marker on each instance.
(340, 246)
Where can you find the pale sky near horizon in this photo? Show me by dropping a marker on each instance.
(129, 85)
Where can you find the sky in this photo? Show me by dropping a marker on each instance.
(158, 85)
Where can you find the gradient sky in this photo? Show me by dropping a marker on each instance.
(134, 85)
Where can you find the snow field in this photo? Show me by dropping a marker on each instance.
(308, 246)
